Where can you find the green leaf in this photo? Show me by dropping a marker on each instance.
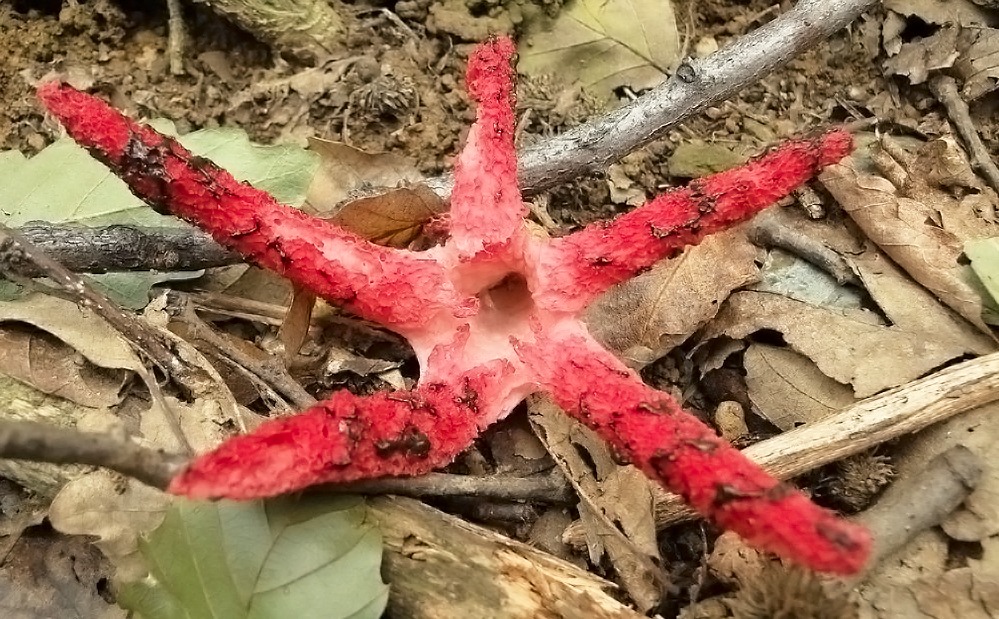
(984, 257)
(64, 184)
(302, 557)
(603, 44)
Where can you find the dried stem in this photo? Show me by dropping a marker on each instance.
(696, 85)
(177, 37)
(42, 442)
(551, 488)
(922, 501)
(770, 229)
(269, 369)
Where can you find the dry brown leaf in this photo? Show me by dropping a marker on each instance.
(50, 576)
(394, 218)
(49, 365)
(344, 169)
(787, 388)
(616, 502)
(116, 510)
(912, 231)
(649, 315)
(82, 330)
(978, 64)
(916, 59)
(963, 12)
(977, 430)
(851, 347)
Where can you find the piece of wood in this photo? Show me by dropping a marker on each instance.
(308, 30)
(440, 567)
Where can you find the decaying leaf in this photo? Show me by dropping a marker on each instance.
(49, 576)
(49, 365)
(616, 502)
(19, 401)
(696, 158)
(602, 45)
(82, 330)
(940, 12)
(977, 430)
(966, 592)
(649, 315)
(916, 59)
(115, 510)
(787, 388)
(911, 226)
(344, 170)
(311, 557)
(848, 346)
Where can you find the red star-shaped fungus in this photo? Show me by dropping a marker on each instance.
(493, 315)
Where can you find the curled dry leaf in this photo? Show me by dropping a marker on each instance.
(848, 342)
(646, 317)
(602, 45)
(616, 502)
(970, 51)
(49, 365)
(848, 346)
(919, 226)
(788, 389)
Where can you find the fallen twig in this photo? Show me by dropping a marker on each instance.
(44, 442)
(121, 248)
(269, 369)
(177, 37)
(917, 503)
(945, 89)
(550, 488)
(770, 229)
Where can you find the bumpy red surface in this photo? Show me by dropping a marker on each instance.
(493, 315)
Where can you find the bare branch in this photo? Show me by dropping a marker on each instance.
(945, 89)
(551, 488)
(41, 442)
(121, 248)
(696, 85)
(14, 249)
(915, 504)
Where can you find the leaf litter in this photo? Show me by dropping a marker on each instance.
(888, 285)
